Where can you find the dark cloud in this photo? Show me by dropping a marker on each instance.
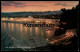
(11, 3)
(17, 4)
(63, 4)
(31, 5)
(20, 6)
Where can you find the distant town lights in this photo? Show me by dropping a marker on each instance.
(37, 21)
(47, 39)
(3, 18)
(11, 19)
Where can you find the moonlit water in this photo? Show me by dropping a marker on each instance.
(22, 35)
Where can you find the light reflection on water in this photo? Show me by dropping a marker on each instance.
(20, 32)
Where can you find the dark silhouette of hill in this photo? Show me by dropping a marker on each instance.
(71, 17)
(24, 14)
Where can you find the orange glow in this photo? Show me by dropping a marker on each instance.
(21, 26)
(36, 30)
(12, 26)
(69, 33)
(5, 26)
(47, 39)
(11, 19)
(62, 28)
(37, 21)
(30, 19)
(36, 5)
(2, 18)
(51, 42)
(9, 25)
(30, 30)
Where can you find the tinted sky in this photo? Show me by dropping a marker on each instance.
(20, 6)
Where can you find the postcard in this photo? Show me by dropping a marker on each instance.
(39, 25)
